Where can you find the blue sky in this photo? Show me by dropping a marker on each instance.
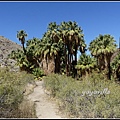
(93, 17)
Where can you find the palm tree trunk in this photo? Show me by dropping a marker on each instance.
(68, 60)
(57, 64)
(24, 48)
(66, 65)
(118, 73)
(44, 65)
(71, 63)
(51, 65)
(108, 57)
(75, 59)
(109, 72)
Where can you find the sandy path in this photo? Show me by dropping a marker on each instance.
(44, 107)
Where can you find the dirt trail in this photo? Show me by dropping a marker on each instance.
(45, 108)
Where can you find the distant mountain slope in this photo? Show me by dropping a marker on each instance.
(6, 46)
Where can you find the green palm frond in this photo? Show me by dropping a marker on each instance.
(103, 44)
(86, 62)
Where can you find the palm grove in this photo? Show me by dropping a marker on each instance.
(56, 52)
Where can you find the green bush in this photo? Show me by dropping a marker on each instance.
(12, 87)
(37, 72)
(92, 97)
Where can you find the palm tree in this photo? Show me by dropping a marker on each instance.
(72, 36)
(32, 49)
(115, 66)
(103, 47)
(50, 51)
(27, 61)
(62, 32)
(21, 36)
(54, 34)
(94, 47)
(86, 64)
(20, 57)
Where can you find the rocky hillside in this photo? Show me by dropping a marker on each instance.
(6, 46)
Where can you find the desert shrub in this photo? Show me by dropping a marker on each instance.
(55, 82)
(92, 97)
(38, 73)
(25, 110)
(12, 87)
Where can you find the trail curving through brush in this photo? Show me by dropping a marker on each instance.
(45, 108)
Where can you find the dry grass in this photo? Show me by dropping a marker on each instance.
(27, 109)
(14, 88)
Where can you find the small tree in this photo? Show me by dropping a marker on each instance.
(21, 36)
(86, 64)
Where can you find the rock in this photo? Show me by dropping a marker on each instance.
(6, 47)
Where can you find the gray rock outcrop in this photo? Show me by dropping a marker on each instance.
(6, 47)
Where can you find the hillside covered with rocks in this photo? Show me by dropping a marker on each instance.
(6, 46)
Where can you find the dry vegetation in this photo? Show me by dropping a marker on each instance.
(13, 103)
(90, 97)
